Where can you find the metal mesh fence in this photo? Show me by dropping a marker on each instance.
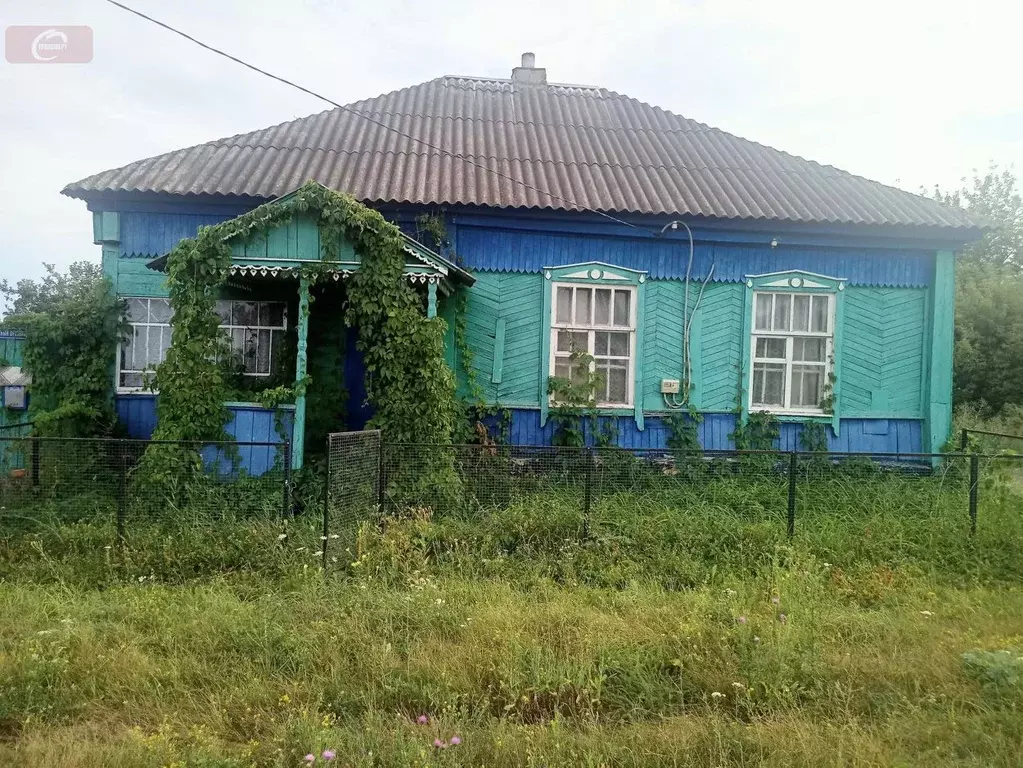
(752, 487)
(353, 490)
(156, 499)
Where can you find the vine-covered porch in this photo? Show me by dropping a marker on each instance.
(307, 312)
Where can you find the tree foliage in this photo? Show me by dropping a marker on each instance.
(72, 323)
(988, 372)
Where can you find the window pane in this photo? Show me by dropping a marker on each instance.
(783, 312)
(810, 350)
(275, 314)
(622, 314)
(160, 311)
(619, 344)
(276, 347)
(131, 380)
(807, 385)
(801, 313)
(562, 367)
(768, 384)
(564, 305)
(602, 307)
(582, 306)
(127, 350)
(601, 342)
(244, 313)
(617, 385)
(819, 317)
(138, 357)
(580, 373)
(223, 310)
(572, 341)
(165, 342)
(138, 310)
(770, 347)
(263, 352)
(763, 312)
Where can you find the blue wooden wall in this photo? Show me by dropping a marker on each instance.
(856, 435)
(518, 251)
(249, 423)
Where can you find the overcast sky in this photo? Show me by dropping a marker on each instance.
(909, 93)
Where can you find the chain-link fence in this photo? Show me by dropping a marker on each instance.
(353, 490)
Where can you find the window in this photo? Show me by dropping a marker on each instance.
(148, 342)
(255, 330)
(256, 333)
(600, 321)
(793, 334)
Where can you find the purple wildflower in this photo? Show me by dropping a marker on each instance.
(741, 619)
(310, 758)
(439, 744)
(328, 754)
(455, 741)
(422, 719)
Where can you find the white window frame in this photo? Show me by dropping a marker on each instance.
(790, 336)
(226, 328)
(592, 329)
(120, 347)
(230, 328)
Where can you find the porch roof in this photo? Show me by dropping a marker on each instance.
(425, 265)
(286, 249)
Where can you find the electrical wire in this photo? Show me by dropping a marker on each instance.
(381, 124)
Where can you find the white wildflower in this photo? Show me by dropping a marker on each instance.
(926, 614)
(282, 536)
(717, 695)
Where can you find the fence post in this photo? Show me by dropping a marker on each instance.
(325, 536)
(122, 490)
(286, 488)
(37, 451)
(964, 439)
(793, 459)
(381, 496)
(974, 481)
(587, 491)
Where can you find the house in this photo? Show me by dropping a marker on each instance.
(694, 269)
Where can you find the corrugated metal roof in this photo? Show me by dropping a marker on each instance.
(587, 147)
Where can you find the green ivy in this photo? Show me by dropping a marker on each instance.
(576, 401)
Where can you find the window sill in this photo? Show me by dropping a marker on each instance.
(797, 415)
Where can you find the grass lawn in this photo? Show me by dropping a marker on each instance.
(677, 633)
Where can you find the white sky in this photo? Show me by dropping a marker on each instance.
(909, 93)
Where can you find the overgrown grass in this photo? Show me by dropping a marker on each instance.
(685, 629)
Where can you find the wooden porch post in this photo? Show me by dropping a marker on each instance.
(431, 298)
(298, 431)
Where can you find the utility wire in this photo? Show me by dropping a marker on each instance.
(385, 126)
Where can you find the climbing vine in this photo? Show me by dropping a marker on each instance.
(407, 381)
(574, 403)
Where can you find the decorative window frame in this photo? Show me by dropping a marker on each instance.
(588, 274)
(795, 281)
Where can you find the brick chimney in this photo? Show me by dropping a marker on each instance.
(529, 72)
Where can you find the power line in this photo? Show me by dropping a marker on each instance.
(441, 150)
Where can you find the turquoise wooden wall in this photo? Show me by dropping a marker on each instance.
(881, 363)
(516, 300)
